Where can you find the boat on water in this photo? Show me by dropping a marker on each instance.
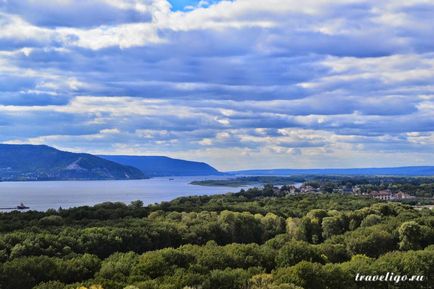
(22, 207)
(19, 207)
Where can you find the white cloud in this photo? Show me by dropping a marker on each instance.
(269, 83)
(124, 36)
(15, 28)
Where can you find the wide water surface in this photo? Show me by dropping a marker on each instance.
(66, 194)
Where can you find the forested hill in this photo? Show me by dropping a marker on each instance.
(41, 162)
(158, 166)
(254, 239)
(392, 171)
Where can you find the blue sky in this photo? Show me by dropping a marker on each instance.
(186, 5)
(239, 84)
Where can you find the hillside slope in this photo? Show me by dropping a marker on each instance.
(157, 166)
(41, 162)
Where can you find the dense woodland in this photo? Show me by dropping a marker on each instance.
(255, 239)
(422, 187)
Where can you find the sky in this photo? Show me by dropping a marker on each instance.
(239, 84)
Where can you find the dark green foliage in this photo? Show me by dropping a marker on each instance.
(245, 181)
(304, 274)
(27, 272)
(51, 285)
(335, 253)
(410, 236)
(227, 279)
(251, 240)
(118, 266)
(296, 251)
(370, 242)
(332, 226)
(417, 186)
(371, 220)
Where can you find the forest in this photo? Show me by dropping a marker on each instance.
(422, 187)
(254, 239)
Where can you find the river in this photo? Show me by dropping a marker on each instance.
(41, 196)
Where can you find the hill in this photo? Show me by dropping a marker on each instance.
(392, 171)
(159, 166)
(41, 162)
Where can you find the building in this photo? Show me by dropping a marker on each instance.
(357, 190)
(403, 196)
(387, 195)
(307, 189)
(384, 195)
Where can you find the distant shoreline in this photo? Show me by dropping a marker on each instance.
(238, 182)
(105, 180)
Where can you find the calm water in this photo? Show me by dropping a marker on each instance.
(45, 195)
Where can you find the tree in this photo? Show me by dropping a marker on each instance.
(52, 220)
(335, 253)
(371, 220)
(227, 279)
(331, 226)
(370, 241)
(50, 285)
(410, 235)
(296, 251)
(159, 263)
(305, 274)
(118, 266)
(293, 229)
(285, 286)
(136, 204)
(91, 287)
(272, 225)
(265, 281)
(261, 281)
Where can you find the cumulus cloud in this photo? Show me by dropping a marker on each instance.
(268, 83)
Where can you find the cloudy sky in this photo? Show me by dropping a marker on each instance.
(239, 84)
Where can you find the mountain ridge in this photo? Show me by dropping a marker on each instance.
(386, 171)
(161, 166)
(41, 162)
